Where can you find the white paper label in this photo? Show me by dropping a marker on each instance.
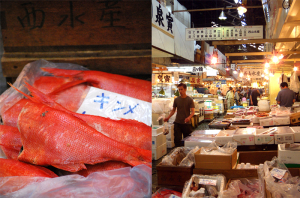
(173, 196)
(104, 103)
(208, 182)
(176, 76)
(278, 173)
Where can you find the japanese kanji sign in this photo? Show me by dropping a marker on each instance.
(253, 73)
(115, 106)
(163, 78)
(195, 80)
(224, 33)
(162, 18)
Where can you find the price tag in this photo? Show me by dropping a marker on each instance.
(208, 182)
(278, 173)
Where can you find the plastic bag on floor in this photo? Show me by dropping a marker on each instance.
(126, 183)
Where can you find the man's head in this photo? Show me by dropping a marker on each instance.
(182, 89)
(284, 85)
(219, 88)
(230, 88)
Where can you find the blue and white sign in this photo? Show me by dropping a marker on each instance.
(104, 103)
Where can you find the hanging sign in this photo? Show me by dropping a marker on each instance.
(195, 80)
(252, 73)
(223, 82)
(198, 69)
(163, 78)
(162, 19)
(224, 33)
(176, 76)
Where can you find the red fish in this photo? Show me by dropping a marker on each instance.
(10, 141)
(136, 88)
(10, 116)
(105, 166)
(123, 130)
(9, 167)
(53, 137)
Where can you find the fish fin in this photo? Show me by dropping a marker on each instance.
(70, 167)
(66, 86)
(29, 97)
(144, 157)
(62, 72)
(10, 153)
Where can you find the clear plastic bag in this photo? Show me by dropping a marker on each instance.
(214, 185)
(165, 193)
(214, 149)
(126, 182)
(180, 156)
(30, 73)
(294, 84)
(278, 179)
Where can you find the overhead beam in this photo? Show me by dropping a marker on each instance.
(260, 53)
(262, 60)
(237, 42)
(212, 9)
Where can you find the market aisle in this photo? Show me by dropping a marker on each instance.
(201, 126)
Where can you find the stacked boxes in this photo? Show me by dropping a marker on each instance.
(159, 142)
(170, 136)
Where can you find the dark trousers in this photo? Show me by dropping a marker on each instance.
(180, 129)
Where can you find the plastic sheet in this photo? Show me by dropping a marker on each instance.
(125, 183)
(244, 188)
(180, 156)
(30, 73)
(294, 84)
(214, 149)
(213, 184)
(278, 179)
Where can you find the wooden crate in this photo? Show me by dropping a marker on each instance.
(113, 37)
(173, 175)
(295, 118)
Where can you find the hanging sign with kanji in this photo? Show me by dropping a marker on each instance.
(253, 73)
(163, 78)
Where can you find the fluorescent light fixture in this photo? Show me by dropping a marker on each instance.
(222, 16)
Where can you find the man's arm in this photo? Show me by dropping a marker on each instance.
(251, 99)
(170, 115)
(259, 94)
(191, 115)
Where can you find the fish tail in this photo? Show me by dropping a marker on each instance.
(66, 86)
(62, 72)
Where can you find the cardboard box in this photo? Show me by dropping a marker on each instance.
(295, 118)
(244, 136)
(225, 162)
(224, 136)
(173, 175)
(296, 131)
(157, 129)
(170, 144)
(158, 140)
(159, 151)
(266, 121)
(193, 141)
(283, 120)
(287, 156)
(263, 138)
(284, 135)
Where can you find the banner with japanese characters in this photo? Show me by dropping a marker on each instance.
(162, 18)
(163, 78)
(252, 73)
(195, 80)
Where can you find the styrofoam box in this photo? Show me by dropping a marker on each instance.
(296, 130)
(256, 120)
(244, 136)
(170, 144)
(224, 136)
(158, 140)
(193, 141)
(288, 157)
(263, 138)
(282, 120)
(159, 151)
(284, 135)
(170, 135)
(157, 129)
(266, 121)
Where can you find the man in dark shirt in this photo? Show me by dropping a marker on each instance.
(285, 97)
(185, 111)
(253, 97)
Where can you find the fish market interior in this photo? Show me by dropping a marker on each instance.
(238, 62)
